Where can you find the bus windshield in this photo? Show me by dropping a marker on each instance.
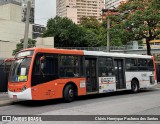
(19, 70)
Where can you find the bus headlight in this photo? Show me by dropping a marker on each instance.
(24, 88)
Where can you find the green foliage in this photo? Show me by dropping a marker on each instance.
(92, 25)
(89, 22)
(138, 19)
(68, 34)
(64, 31)
(19, 46)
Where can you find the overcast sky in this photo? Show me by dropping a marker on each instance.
(44, 9)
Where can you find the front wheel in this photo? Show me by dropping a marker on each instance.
(69, 93)
(134, 86)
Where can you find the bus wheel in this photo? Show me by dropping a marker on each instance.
(69, 93)
(134, 86)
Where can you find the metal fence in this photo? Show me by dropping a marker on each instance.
(112, 48)
(104, 48)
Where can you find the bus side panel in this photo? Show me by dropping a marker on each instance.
(143, 78)
(54, 89)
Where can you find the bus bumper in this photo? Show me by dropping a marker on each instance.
(25, 95)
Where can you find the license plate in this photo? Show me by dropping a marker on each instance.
(14, 96)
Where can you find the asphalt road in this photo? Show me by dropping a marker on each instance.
(146, 102)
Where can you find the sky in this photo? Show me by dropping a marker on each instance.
(44, 9)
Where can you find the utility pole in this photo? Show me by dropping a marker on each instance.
(108, 35)
(25, 45)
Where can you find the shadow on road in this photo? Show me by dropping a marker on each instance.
(111, 94)
(80, 98)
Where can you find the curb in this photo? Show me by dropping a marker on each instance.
(6, 102)
(157, 86)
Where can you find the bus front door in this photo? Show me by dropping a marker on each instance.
(91, 76)
(119, 73)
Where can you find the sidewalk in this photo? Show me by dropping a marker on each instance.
(158, 85)
(5, 100)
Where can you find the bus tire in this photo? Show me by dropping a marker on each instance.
(69, 93)
(134, 86)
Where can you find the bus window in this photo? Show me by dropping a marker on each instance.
(20, 68)
(150, 65)
(131, 64)
(45, 68)
(105, 67)
(69, 66)
(142, 64)
(7, 66)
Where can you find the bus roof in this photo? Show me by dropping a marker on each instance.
(120, 55)
(84, 52)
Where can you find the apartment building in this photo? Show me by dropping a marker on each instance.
(112, 4)
(12, 27)
(75, 9)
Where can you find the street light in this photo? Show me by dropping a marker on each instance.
(108, 13)
(108, 34)
(25, 44)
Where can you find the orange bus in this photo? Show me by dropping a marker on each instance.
(47, 73)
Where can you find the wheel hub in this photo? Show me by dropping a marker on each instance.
(134, 86)
(71, 94)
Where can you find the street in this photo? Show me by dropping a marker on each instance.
(146, 102)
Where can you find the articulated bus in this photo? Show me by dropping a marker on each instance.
(46, 73)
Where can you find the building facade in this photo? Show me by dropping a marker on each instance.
(37, 30)
(112, 4)
(75, 9)
(111, 7)
(11, 28)
(23, 4)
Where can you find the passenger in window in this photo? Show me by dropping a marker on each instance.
(76, 62)
(42, 64)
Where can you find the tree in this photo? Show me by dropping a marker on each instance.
(19, 46)
(92, 25)
(89, 22)
(138, 19)
(68, 34)
(63, 30)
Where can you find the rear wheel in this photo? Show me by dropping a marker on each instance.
(134, 86)
(69, 93)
